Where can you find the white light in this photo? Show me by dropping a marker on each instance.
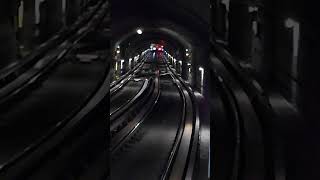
(227, 3)
(130, 62)
(180, 62)
(202, 75)
(252, 9)
(290, 23)
(187, 50)
(139, 31)
(187, 54)
(255, 27)
(116, 66)
(118, 51)
(154, 48)
(122, 61)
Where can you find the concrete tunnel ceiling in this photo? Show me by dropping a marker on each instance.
(172, 41)
(175, 15)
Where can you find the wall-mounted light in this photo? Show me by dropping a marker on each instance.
(130, 62)
(201, 75)
(139, 31)
(290, 23)
(122, 61)
(21, 15)
(295, 26)
(116, 66)
(253, 9)
(227, 3)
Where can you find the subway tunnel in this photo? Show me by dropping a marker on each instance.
(171, 89)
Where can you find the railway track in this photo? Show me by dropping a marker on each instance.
(161, 134)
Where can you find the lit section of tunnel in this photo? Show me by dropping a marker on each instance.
(177, 46)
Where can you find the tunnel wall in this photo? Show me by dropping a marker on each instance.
(296, 79)
(8, 48)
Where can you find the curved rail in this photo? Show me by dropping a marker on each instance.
(182, 158)
(117, 112)
(116, 86)
(125, 133)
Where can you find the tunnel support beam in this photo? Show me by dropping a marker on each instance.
(240, 30)
(184, 73)
(219, 18)
(8, 44)
(73, 11)
(28, 24)
(51, 18)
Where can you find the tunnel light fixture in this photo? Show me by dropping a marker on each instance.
(227, 3)
(187, 50)
(295, 26)
(116, 66)
(118, 51)
(290, 23)
(122, 61)
(252, 9)
(139, 31)
(20, 16)
(202, 75)
(187, 54)
(136, 58)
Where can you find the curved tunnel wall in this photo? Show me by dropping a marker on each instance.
(288, 46)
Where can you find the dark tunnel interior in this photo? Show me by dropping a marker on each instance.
(169, 90)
